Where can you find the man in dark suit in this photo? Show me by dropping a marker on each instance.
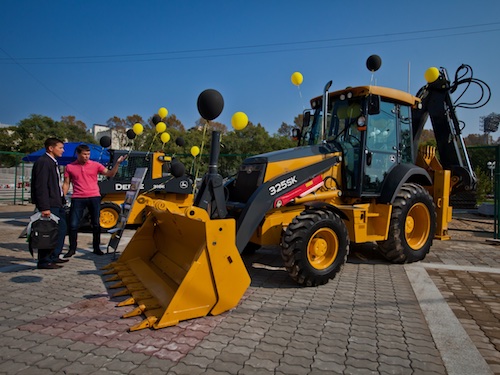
(47, 195)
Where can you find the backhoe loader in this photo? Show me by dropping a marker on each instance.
(355, 177)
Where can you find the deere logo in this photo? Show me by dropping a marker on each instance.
(119, 186)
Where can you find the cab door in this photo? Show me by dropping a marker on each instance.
(382, 151)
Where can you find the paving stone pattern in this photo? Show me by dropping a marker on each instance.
(365, 321)
(474, 299)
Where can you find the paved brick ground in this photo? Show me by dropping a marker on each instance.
(365, 321)
(474, 298)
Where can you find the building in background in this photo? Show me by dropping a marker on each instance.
(98, 131)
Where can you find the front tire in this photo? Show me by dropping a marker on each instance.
(412, 227)
(109, 216)
(315, 247)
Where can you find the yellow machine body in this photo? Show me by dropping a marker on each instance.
(180, 265)
(109, 216)
(156, 188)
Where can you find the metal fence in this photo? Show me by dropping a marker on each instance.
(15, 178)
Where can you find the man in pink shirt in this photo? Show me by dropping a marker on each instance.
(82, 173)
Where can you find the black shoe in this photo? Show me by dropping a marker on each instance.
(59, 260)
(98, 252)
(69, 254)
(48, 266)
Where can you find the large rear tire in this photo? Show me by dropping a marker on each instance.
(315, 247)
(109, 216)
(412, 227)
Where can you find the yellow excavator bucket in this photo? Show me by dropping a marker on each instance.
(179, 265)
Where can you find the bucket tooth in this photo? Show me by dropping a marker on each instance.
(116, 266)
(125, 273)
(121, 293)
(141, 295)
(109, 272)
(117, 285)
(109, 266)
(129, 301)
(146, 323)
(135, 312)
(129, 279)
(150, 304)
(135, 287)
(113, 278)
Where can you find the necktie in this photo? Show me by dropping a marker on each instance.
(59, 178)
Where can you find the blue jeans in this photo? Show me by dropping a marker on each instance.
(48, 256)
(78, 206)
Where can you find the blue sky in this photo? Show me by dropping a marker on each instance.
(98, 59)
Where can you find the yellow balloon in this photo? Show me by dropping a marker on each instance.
(161, 127)
(431, 74)
(195, 150)
(297, 78)
(165, 137)
(162, 112)
(239, 120)
(138, 128)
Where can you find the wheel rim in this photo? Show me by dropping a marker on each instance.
(417, 226)
(108, 218)
(323, 248)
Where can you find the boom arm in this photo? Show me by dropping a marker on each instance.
(437, 104)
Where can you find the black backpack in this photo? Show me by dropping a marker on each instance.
(44, 234)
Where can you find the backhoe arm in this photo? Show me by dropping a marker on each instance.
(437, 104)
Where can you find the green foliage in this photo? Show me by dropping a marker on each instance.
(484, 184)
(30, 134)
(480, 156)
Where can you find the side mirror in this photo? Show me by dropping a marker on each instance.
(296, 134)
(373, 104)
(306, 119)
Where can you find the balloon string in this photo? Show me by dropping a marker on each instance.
(301, 99)
(150, 146)
(131, 147)
(191, 170)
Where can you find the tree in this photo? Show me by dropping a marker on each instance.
(116, 122)
(489, 124)
(30, 134)
(210, 126)
(298, 121)
(173, 122)
(427, 138)
(72, 121)
(285, 130)
(475, 140)
(120, 126)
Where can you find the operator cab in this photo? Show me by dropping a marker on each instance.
(372, 126)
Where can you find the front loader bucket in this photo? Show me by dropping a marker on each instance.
(180, 265)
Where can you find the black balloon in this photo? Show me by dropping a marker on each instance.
(105, 141)
(210, 104)
(177, 168)
(373, 63)
(180, 141)
(156, 119)
(130, 134)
